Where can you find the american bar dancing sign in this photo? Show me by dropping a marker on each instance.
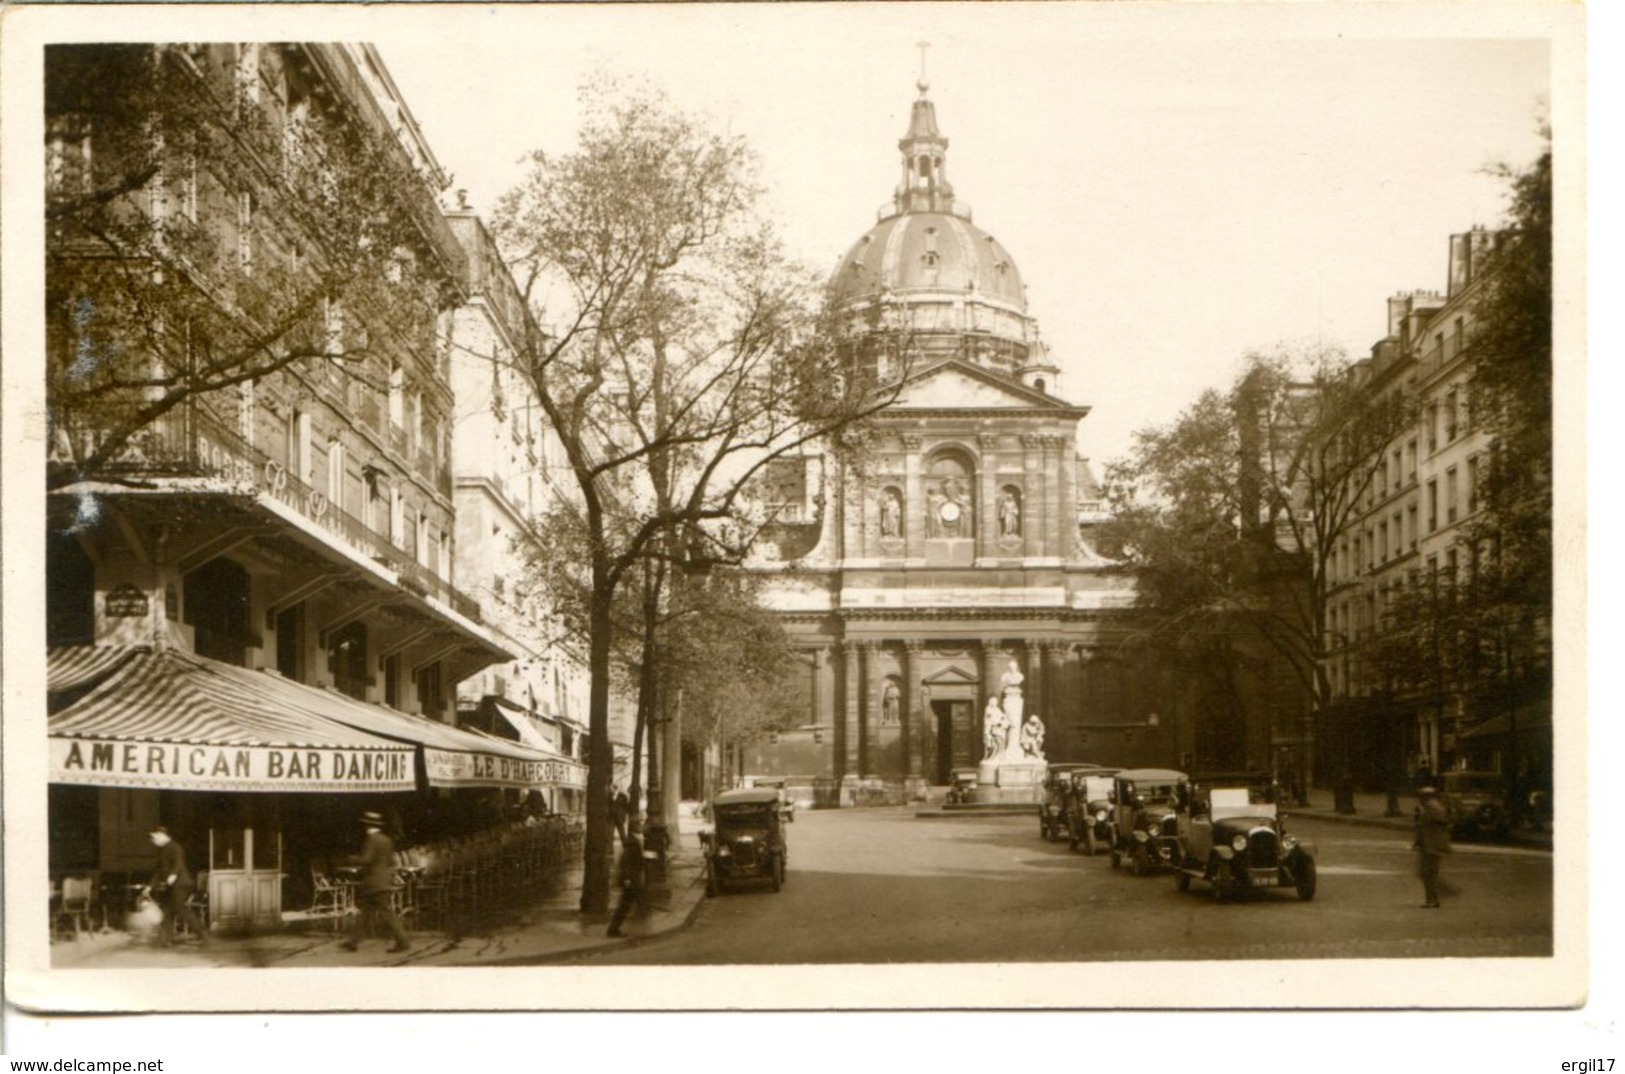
(193, 766)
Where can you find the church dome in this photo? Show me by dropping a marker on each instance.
(928, 252)
(927, 270)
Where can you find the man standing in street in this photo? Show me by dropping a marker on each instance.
(378, 881)
(631, 876)
(171, 883)
(1432, 840)
(620, 808)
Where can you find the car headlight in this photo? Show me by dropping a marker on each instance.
(1239, 843)
(1101, 816)
(1288, 841)
(724, 850)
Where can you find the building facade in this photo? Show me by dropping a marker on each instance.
(958, 542)
(507, 461)
(253, 624)
(1413, 540)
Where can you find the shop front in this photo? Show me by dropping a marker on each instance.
(213, 752)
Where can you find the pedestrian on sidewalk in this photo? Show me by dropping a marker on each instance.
(1432, 841)
(620, 808)
(378, 881)
(631, 876)
(171, 887)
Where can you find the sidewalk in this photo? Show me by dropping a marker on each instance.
(1370, 810)
(553, 929)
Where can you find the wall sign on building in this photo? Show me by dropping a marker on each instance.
(125, 601)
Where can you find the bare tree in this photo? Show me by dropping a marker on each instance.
(684, 352)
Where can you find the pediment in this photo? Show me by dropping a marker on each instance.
(957, 385)
(949, 676)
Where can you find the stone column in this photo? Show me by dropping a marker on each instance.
(987, 518)
(866, 716)
(817, 655)
(913, 500)
(1036, 521)
(1036, 689)
(1051, 659)
(847, 725)
(913, 715)
(993, 659)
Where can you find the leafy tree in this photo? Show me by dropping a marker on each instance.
(1228, 517)
(684, 352)
(199, 239)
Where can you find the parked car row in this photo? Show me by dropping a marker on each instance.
(1224, 829)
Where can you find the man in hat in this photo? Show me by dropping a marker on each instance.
(378, 882)
(1433, 840)
(171, 886)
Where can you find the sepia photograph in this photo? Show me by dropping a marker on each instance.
(660, 507)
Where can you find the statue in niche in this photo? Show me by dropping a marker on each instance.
(891, 514)
(1009, 514)
(891, 703)
(1032, 738)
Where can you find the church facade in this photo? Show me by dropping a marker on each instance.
(956, 540)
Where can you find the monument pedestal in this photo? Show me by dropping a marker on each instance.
(1010, 782)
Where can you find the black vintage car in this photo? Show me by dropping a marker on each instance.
(1089, 809)
(1232, 836)
(747, 842)
(1142, 827)
(1052, 810)
(1477, 804)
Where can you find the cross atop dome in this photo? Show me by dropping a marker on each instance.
(925, 186)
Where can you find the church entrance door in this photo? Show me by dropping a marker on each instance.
(956, 736)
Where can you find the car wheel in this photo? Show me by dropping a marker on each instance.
(1305, 873)
(777, 876)
(1215, 871)
(713, 884)
(1117, 858)
(1182, 880)
(1138, 864)
(1089, 841)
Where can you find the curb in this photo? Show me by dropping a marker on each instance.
(684, 918)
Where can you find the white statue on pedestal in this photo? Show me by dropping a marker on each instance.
(996, 728)
(1032, 738)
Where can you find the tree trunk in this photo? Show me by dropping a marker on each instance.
(600, 752)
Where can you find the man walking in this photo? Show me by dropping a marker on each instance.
(631, 876)
(378, 881)
(1432, 840)
(171, 876)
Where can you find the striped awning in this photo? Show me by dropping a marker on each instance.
(73, 667)
(453, 757)
(173, 720)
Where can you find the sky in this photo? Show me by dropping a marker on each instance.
(1178, 186)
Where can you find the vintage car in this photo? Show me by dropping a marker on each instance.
(747, 842)
(961, 786)
(1089, 809)
(1477, 803)
(1052, 810)
(787, 801)
(1141, 824)
(1232, 836)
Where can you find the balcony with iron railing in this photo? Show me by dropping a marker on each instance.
(188, 442)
